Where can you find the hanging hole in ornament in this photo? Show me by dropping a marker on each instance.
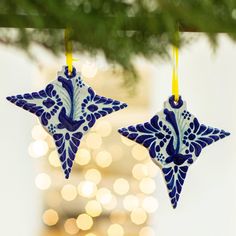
(176, 99)
(174, 103)
(69, 74)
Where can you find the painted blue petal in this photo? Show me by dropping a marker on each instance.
(154, 122)
(132, 136)
(147, 142)
(73, 147)
(149, 127)
(201, 129)
(197, 149)
(168, 176)
(141, 128)
(76, 141)
(69, 162)
(142, 138)
(132, 128)
(63, 156)
(152, 150)
(170, 147)
(174, 182)
(49, 89)
(196, 125)
(171, 183)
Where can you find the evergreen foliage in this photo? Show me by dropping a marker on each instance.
(121, 29)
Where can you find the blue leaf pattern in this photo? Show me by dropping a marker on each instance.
(67, 108)
(174, 139)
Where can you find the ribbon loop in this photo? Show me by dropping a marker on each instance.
(68, 50)
(175, 79)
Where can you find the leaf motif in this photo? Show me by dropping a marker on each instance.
(174, 138)
(174, 178)
(67, 109)
(207, 137)
(153, 135)
(67, 146)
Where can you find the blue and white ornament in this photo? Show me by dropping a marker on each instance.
(67, 108)
(175, 139)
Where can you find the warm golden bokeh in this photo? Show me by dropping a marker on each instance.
(103, 159)
(84, 222)
(121, 186)
(93, 208)
(68, 192)
(138, 216)
(71, 226)
(50, 217)
(111, 184)
(115, 230)
(87, 189)
(93, 175)
(43, 181)
(83, 156)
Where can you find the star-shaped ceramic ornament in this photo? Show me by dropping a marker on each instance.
(67, 108)
(174, 139)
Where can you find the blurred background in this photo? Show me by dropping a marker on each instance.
(115, 189)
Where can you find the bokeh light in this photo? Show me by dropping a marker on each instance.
(150, 204)
(111, 204)
(130, 202)
(152, 168)
(138, 216)
(50, 217)
(103, 128)
(50, 141)
(121, 186)
(103, 159)
(87, 189)
(93, 140)
(115, 230)
(93, 208)
(146, 231)
(89, 70)
(139, 152)
(83, 156)
(93, 175)
(147, 185)
(104, 195)
(139, 171)
(53, 159)
(38, 148)
(70, 226)
(38, 132)
(84, 221)
(69, 192)
(43, 181)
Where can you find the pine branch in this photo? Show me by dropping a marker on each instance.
(120, 29)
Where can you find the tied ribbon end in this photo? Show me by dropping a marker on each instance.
(175, 79)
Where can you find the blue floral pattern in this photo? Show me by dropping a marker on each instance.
(174, 139)
(67, 108)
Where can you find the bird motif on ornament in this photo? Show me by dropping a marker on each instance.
(175, 139)
(67, 108)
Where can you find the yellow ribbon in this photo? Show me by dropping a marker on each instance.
(68, 49)
(175, 79)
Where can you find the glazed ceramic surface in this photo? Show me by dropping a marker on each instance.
(67, 108)
(175, 138)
